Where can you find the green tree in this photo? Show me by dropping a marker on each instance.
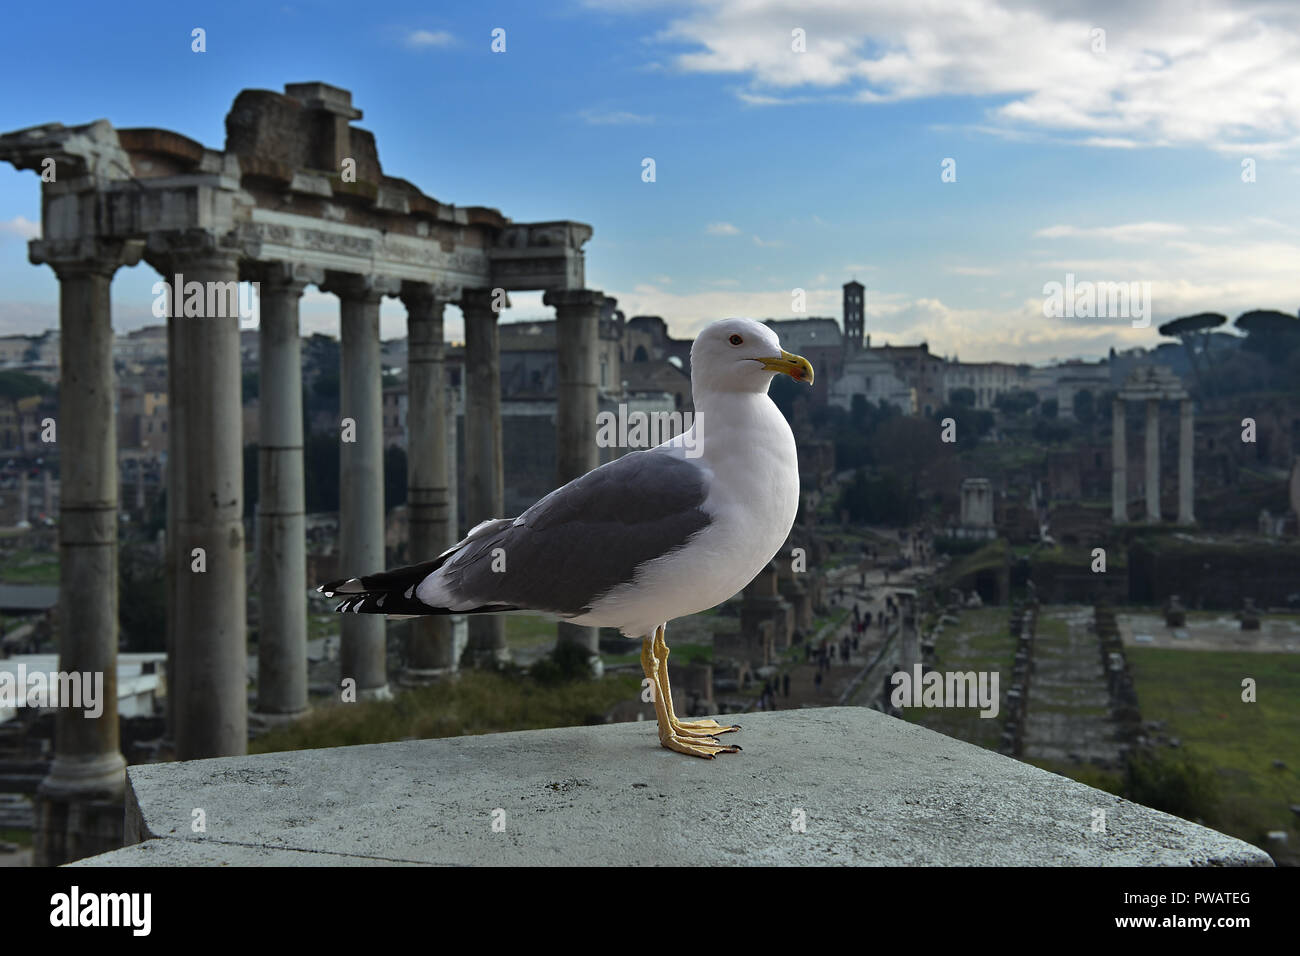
(1085, 408)
(142, 599)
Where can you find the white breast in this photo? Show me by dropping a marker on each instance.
(750, 457)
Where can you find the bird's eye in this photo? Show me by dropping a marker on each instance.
(735, 340)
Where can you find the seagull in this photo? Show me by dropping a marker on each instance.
(643, 539)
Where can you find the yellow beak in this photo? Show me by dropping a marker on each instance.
(796, 366)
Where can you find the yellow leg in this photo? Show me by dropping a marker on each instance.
(683, 728)
(695, 747)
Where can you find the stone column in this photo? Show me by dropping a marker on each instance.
(363, 653)
(577, 341)
(281, 497)
(1153, 459)
(139, 487)
(1186, 447)
(484, 473)
(1118, 463)
(88, 762)
(431, 651)
(208, 653)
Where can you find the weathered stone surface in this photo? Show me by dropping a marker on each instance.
(874, 790)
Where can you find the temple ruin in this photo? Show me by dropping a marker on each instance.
(297, 197)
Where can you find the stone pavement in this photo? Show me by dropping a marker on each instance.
(841, 785)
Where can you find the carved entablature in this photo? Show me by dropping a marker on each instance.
(284, 237)
(540, 255)
(1152, 381)
(295, 184)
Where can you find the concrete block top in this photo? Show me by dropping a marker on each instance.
(838, 785)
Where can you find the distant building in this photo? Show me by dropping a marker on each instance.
(820, 341)
(141, 346)
(919, 370)
(872, 376)
(142, 415)
(646, 339)
(15, 349)
(395, 408)
(855, 315)
(1060, 383)
(987, 380)
(665, 377)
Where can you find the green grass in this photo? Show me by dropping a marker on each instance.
(1112, 781)
(13, 835)
(979, 641)
(478, 702)
(529, 630)
(1198, 695)
(29, 567)
(322, 625)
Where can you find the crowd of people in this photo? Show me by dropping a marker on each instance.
(915, 548)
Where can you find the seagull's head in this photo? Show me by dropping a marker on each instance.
(741, 355)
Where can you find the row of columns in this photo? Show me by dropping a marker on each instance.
(205, 548)
(1119, 461)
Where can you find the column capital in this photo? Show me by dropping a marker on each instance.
(85, 255)
(480, 302)
(288, 277)
(358, 287)
(420, 297)
(176, 250)
(566, 299)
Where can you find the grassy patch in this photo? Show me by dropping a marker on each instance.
(13, 835)
(530, 630)
(29, 567)
(478, 702)
(979, 641)
(1198, 695)
(1112, 781)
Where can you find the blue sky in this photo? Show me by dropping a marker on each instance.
(775, 169)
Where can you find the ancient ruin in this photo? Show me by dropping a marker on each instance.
(296, 197)
(1151, 385)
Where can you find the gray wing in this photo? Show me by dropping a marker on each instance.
(582, 539)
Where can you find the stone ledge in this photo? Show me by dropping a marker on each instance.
(875, 790)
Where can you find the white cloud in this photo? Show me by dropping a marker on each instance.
(767, 243)
(423, 39)
(1224, 74)
(22, 227)
(1127, 232)
(614, 118)
(1191, 268)
(721, 229)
